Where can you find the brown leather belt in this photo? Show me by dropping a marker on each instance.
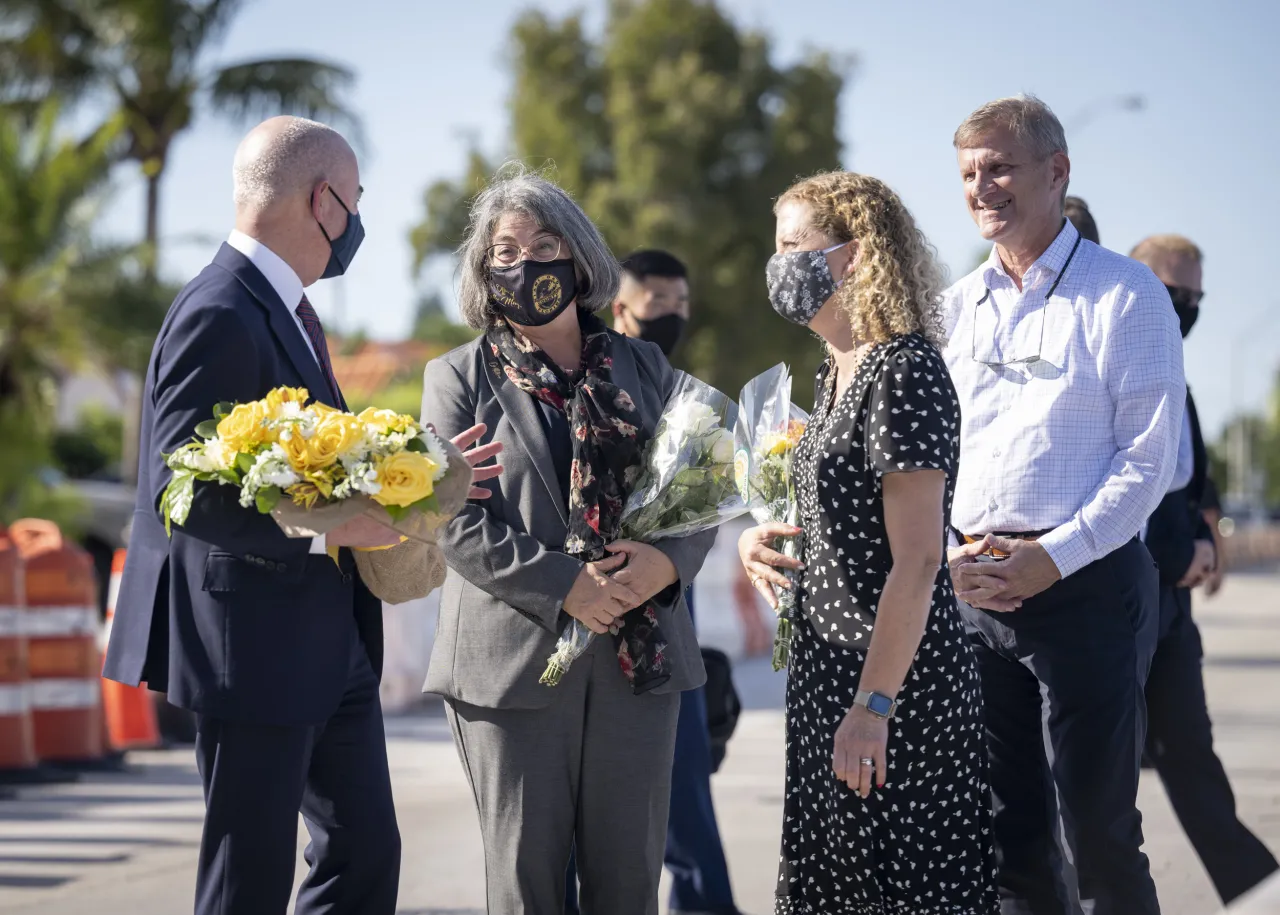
(1031, 537)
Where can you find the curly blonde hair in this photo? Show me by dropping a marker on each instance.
(896, 285)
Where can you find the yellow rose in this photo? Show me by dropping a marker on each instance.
(386, 420)
(336, 433)
(406, 478)
(296, 450)
(281, 396)
(245, 427)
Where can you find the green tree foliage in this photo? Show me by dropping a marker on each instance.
(675, 129)
(47, 188)
(149, 58)
(431, 324)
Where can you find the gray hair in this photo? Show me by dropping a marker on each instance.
(1032, 123)
(551, 207)
(283, 157)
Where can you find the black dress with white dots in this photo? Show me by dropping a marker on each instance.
(922, 844)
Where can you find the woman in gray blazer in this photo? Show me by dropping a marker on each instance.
(587, 761)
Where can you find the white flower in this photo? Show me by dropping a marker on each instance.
(435, 451)
(722, 447)
(217, 455)
(690, 418)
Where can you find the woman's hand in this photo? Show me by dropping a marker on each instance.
(474, 456)
(861, 736)
(648, 570)
(762, 561)
(595, 599)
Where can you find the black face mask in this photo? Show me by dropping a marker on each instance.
(533, 293)
(1186, 305)
(665, 330)
(343, 248)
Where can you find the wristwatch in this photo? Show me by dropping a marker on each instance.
(877, 704)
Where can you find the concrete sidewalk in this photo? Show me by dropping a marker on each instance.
(126, 843)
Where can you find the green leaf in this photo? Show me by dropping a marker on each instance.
(416, 445)
(397, 512)
(230, 476)
(207, 429)
(267, 499)
(220, 410)
(429, 504)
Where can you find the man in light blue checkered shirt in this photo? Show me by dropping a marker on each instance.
(1067, 359)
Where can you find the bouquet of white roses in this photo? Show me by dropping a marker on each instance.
(767, 434)
(683, 485)
(312, 467)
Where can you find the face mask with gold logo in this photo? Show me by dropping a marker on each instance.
(532, 293)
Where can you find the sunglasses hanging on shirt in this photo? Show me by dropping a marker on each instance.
(1028, 360)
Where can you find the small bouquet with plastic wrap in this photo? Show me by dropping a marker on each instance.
(683, 485)
(768, 431)
(313, 468)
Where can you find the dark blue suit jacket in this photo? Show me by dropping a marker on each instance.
(230, 617)
(1177, 522)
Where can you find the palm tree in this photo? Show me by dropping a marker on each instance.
(148, 59)
(47, 188)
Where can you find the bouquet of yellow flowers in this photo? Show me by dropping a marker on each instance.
(768, 431)
(312, 467)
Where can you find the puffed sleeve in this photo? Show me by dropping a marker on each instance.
(912, 412)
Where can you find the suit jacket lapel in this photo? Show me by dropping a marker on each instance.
(283, 325)
(523, 415)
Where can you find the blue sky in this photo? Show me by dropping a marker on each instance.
(1198, 159)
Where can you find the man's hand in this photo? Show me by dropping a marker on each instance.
(362, 532)
(1201, 567)
(648, 570)
(1027, 571)
(474, 456)
(595, 599)
(979, 582)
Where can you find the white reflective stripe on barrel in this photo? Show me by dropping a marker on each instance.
(57, 622)
(113, 592)
(10, 622)
(63, 694)
(15, 699)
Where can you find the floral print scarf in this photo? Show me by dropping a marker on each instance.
(607, 444)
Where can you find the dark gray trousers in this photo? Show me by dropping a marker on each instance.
(593, 767)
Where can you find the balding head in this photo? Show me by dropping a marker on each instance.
(286, 157)
(297, 186)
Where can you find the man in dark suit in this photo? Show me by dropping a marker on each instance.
(276, 647)
(1179, 732)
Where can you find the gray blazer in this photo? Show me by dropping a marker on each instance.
(501, 608)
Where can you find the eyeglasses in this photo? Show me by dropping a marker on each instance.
(1183, 297)
(542, 249)
(1027, 360)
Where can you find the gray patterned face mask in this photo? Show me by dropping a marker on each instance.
(800, 283)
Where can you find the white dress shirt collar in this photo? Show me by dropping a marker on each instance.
(279, 274)
(1049, 264)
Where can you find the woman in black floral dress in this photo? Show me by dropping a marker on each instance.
(887, 801)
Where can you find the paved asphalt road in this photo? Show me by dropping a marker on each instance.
(126, 843)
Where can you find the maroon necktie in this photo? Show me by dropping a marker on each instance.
(311, 323)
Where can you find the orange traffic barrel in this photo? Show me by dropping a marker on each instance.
(61, 623)
(130, 714)
(17, 738)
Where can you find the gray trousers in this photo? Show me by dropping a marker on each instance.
(593, 767)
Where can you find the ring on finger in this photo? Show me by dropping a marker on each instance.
(867, 761)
